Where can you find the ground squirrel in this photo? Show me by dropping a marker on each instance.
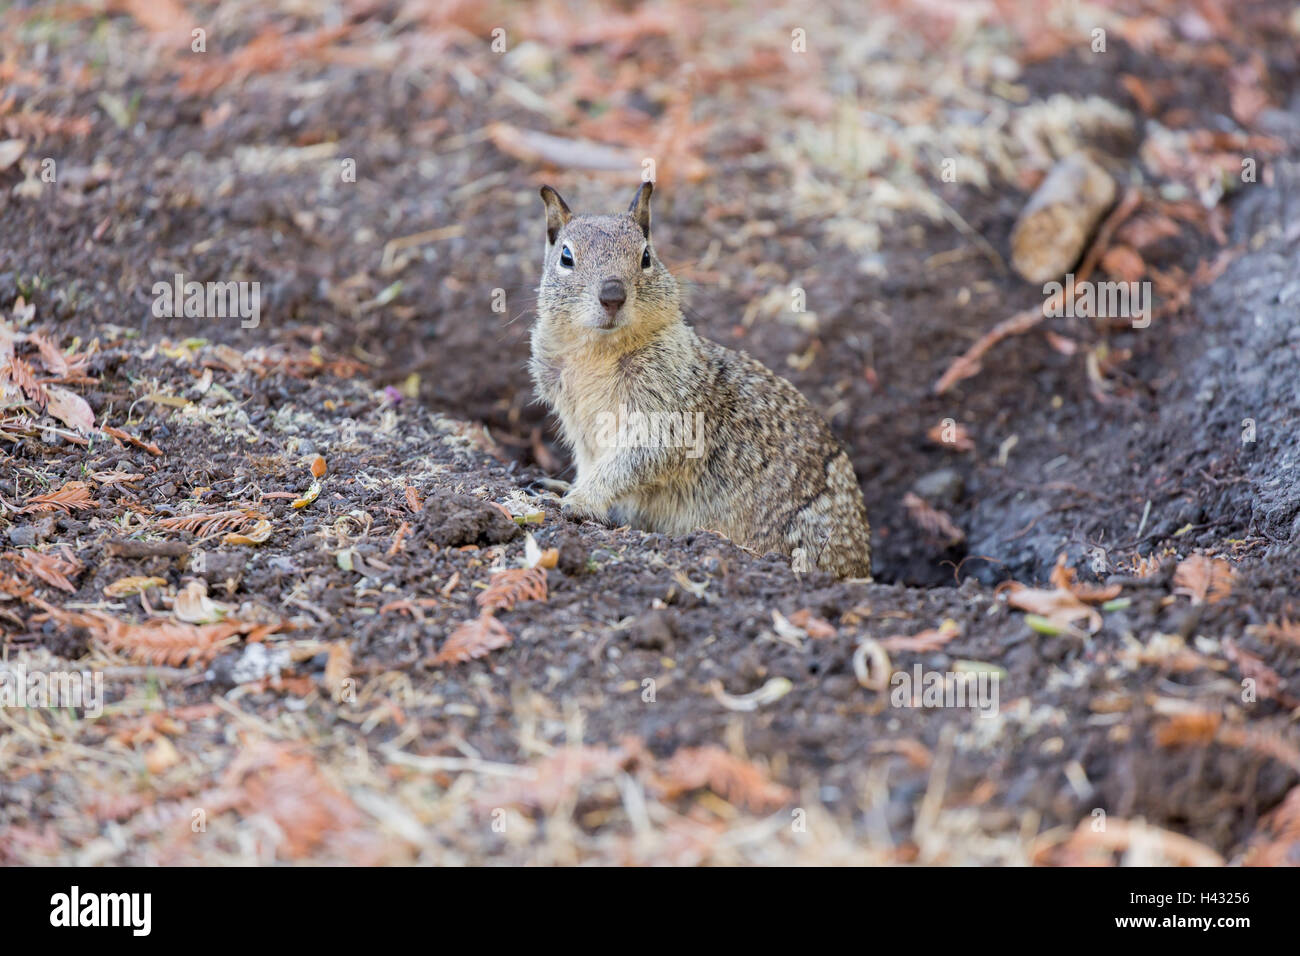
(671, 432)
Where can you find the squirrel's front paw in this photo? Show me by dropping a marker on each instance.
(581, 506)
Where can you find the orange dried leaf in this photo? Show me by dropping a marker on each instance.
(473, 638)
(52, 567)
(928, 640)
(54, 360)
(73, 496)
(212, 523)
(135, 584)
(120, 435)
(1204, 579)
(1059, 606)
(338, 669)
(1268, 682)
(1063, 578)
(1277, 841)
(737, 781)
(812, 625)
(162, 642)
(951, 435)
(510, 587)
(1284, 631)
(1123, 263)
(285, 784)
(24, 376)
(1088, 845)
(1195, 727)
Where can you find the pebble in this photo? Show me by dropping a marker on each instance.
(944, 486)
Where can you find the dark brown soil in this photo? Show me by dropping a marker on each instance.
(1121, 449)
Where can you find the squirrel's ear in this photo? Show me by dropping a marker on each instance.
(640, 208)
(557, 213)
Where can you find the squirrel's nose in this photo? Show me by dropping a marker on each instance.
(612, 295)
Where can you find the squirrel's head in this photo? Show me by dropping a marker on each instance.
(601, 272)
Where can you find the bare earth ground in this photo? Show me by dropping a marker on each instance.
(279, 664)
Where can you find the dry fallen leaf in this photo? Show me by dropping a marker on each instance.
(473, 638)
(304, 809)
(1284, 631)
(120, 435)
(511, 586)
(53, 567)
(1123, 263)
(1277, 839)
(929, 640)
(310, 495)
(1197, 727)
(73, 496)
(1140, 844)
(735, 780)
(206, 523)
(951, 435)
(260, 533)
(338, 668)
(115, 477)
(135, 584)
(1147, 229)
(193, 606)
(1268, 682)
(933, 521)
(169, 643)
(1060, 607)
(1204, 579)
(162, 756)
(812, 625)
(11, 150)
(51, 357)
(24, 376)
(557, 778)
(71, 409)
(1063, 577)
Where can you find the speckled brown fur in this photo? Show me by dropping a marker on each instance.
(763, 467)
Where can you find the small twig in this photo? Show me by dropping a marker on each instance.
(135, 673)
(969, 231)
(1146, 513)
(968, 364)
(443, 764)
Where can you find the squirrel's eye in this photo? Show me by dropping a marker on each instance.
(566, 257)
(645, 258)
